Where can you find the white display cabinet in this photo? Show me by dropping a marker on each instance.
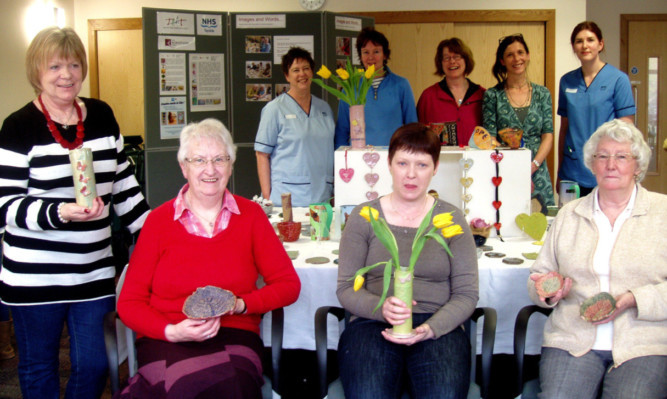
(513, 192)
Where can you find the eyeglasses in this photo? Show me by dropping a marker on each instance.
(621, 157)
(199, 162)
(455, 57)
(510, 36)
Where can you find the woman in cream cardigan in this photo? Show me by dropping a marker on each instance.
(612, 241)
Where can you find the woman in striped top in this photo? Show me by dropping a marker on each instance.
(57, 263)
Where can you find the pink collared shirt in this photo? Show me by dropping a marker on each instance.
(191, 222)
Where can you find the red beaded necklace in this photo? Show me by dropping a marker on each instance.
(56, 133)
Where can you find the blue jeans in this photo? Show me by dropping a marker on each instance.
(565, 376)
(372, 367)
(38, 330)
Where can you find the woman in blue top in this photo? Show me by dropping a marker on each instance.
(390, 103)
(588, 97)
(294, 143)
(515, 102)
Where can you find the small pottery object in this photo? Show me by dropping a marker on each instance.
(486, 248)
(207, 302)
(317, 260)
(549, 284)
(293, 254)
(479, 240)
(513, 261)
(479, 252)
(530, 255)
(85, 190)
(289, 231)
(286, 200)
(495, 254)
(335, 252)
(597, 307)
(483, 140)
(511, 137)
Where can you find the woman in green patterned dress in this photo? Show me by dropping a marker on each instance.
(515, 102)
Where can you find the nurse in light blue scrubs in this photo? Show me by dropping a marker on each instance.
(294, 143)
(589, 96)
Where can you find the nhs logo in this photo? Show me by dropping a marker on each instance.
(209, 25)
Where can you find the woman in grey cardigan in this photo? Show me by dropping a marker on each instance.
(611, 241)
(436, 360)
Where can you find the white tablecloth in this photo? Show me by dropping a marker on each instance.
(501, 286)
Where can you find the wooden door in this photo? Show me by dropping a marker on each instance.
(646, 65)
(117, 70)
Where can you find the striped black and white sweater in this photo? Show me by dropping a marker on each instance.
(45, 260)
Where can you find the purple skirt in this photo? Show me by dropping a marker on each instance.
(228, 365)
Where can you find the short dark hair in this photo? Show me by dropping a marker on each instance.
(369, 34)
(499, 70)
(415, 137)
(456, 46)
(296, 53)
(586, 25)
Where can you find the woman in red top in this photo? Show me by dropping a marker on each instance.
(455, 98)
(205, 236)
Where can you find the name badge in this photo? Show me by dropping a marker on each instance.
(571, 90)
(290, 116)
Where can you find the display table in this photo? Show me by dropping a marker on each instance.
(501, 286)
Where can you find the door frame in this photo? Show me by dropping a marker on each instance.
(625, 33)
(94, 26)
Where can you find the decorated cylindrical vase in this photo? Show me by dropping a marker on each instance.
(403, 291)
(83, 174)
(357, 126)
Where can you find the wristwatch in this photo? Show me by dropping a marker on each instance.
(536, 163)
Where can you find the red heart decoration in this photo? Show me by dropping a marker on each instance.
(346, 174)
(497, 180)
(497, 156)
(497, 204)
(497, 225)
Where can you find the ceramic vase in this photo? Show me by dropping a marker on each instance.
(85, 190)
(357, 126)
(403, 291)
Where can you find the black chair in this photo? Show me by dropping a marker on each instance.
(470, 325)
(527, 389)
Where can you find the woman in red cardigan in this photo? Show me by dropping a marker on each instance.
(205, 236)
(455, 98)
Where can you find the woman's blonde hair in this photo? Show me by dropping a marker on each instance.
(53, 42)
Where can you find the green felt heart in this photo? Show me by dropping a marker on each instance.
(534, 225)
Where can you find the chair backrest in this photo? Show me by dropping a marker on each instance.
(470, 326)
(520, 329)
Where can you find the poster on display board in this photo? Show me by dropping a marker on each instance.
(173, 117)
(207, 82)
(172, 74)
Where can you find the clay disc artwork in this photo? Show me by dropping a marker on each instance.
(530, 255)
(597, 307)
(486, 248)
(293, 254)
(318, 260)
(208, 302)
(513, 261)
(335, 252)
(494, 254)
(549, 284)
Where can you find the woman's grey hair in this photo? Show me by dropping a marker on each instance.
(209, 128)
(622, 132)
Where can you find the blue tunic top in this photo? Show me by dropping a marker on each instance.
(609, 96)
(300, 147)
(390, 108)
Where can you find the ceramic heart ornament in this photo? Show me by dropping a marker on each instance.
(371, 158)
(534, 225)
(466, 163)
(496, 180)
(371, 178)
(466, 197)
(497, 204)
(497, 156)
(466, 181)
(371, 195)
(346, 174)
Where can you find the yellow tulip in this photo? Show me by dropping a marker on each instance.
(442, 220)
(358, 282)
(370, 71)
(451, 231)
(365, 213)
(324, 72)
(342, 73)
(360, 70)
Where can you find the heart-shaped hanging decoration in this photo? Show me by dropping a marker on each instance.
(497, 204)
(466, 163)
(346, 174)
(466, 211)
(466, 181)
(497, 156)
(371, 158)
(371, 195)
(496, 180)
(497, 225)
(371, 178)
(466, 197)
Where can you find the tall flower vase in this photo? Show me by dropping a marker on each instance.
(403, 291)
(357, 126)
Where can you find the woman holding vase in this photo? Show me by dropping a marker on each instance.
(445, 288)
(455, 98)
(389, 102)
(517, 103)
